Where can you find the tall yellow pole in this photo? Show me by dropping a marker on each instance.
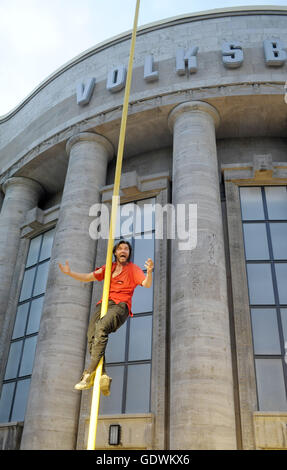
(96, 388)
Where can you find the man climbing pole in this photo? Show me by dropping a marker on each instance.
(125, 277)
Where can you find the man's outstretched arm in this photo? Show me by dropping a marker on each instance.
(83, 277)
(149, 269)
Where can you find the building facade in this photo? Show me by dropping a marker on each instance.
(202, 364)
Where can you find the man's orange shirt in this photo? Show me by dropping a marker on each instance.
(123, 285)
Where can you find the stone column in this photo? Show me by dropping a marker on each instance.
(21, 195)
(52, 412)
(202, 414)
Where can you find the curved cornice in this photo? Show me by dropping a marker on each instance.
(168, 100)
(198, 16)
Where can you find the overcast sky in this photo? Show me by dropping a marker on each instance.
(39, 36)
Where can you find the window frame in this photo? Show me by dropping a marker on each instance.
(21, 378)
(127, 362)
(277, 306)
(245, 387)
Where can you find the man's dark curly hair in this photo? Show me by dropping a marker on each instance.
(121, 242)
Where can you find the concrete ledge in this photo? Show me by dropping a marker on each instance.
(10, 435)
(135, 187)
(38, 221)
(137, 431)
(253, 174)
(270, 430)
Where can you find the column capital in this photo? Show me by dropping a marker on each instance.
(25, 182)
(91, 137)
(190, 107)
